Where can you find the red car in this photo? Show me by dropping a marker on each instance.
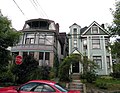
(37, 86)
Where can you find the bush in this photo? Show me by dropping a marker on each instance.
(40, 73)
(102, 85)
(89, 77)
(7, 77)
(115, 74)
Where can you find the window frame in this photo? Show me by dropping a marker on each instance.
(96, 42)
(97, 60)
(30, 38)
(95, 30)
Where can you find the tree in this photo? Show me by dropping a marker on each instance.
(115, 28)
(64, 67)
(88, 67)
(8, 37)
(24, 71)
(115, 47)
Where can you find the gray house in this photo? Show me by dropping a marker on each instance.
(40, 40)
(91, 41)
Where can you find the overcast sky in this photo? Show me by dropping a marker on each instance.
(64, 12)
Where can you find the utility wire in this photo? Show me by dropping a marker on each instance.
(41, 8)
(35, 2)
(18, 7)
(35, 6)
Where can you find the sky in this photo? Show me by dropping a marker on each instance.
(64, 12)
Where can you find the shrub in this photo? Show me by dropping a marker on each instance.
(102, 85)
(40, 73)
(89, 77)
(7, 77)
(115, 74)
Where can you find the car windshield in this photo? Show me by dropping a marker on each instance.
(60, 88)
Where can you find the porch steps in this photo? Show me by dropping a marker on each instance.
(77, 85)
(75, 77)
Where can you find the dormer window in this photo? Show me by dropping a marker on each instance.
(95, 30)
(75, 33)
(75, 30)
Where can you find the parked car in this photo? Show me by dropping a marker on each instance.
(37, 86)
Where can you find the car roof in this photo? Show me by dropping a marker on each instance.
(44, 81)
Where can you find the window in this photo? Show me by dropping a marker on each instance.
(15, 54)
(108, 61)
(59, 87)
(49, 40)
(44, 58)
(75, 43)
(25, 54)
(47, 54)
(85, 44)
(47, 88)
(75, 33)
(42, 39)
(43, 88)
(106, 42)
(94, 30)
(95, 42)
(40, 55)
(29, 39)
(31, 54)
(37, 87)
(98, 61)
(28, 87)
(46, 39)
(75, 30)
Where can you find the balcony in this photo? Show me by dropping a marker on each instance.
(34, 47)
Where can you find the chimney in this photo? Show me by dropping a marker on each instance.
(103, 26)
(57, 26)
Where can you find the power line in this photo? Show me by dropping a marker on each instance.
(35, 6)
(18, 7)
(41, 8)
(35, 2)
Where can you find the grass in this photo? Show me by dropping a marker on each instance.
(107, 83)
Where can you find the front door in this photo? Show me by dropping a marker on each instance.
(75, 67)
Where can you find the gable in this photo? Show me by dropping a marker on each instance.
(95, 29)
(76, 51)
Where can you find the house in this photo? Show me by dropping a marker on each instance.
(91, 41)
(40, 40)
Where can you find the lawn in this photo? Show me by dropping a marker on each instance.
(105, 83)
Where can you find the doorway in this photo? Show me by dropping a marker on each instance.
(75, 67)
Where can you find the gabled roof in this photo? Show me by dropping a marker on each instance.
(83, 29)
(94, 23)
(76, 51)
(74, 24)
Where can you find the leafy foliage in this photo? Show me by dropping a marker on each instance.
(116, 71)
(115, 28)
(23, 71)
(88, 68)
(65, 66)
(55, 65)
(41, 72)
(114, 49)
(8, 38)
(7, 76)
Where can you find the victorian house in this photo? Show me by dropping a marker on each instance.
(91, 41)
(41, 39)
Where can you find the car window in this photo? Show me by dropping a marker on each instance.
(28, 87)
(59, 87)
(44, 88)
